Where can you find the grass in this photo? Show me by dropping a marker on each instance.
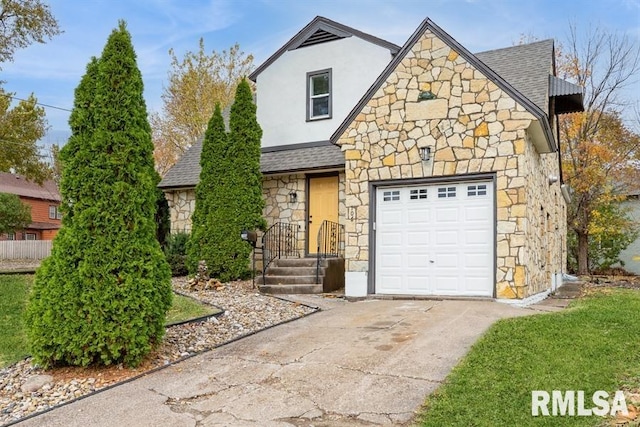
(591, 346)
(185, 308)
(13, 297)
(14, 290)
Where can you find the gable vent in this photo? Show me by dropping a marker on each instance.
(320, 36)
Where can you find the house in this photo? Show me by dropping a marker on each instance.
(44, 201)
(630, 256)
(435, 171)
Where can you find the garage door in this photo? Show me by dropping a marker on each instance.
(435, 239)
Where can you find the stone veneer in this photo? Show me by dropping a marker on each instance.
(182, 203)
(472, 126)
(276, 190)
(277, 206)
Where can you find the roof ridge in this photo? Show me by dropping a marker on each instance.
(515, 46)
(362, 34)
(309, 29)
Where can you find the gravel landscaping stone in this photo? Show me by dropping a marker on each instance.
(18, 265)
(245, 311)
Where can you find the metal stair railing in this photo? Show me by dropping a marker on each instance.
(280, 240)
(330, 243)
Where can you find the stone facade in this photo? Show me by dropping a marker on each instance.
(472, 126)
(278, 208)
(182, 203)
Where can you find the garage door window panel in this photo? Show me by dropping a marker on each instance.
(446, 192)
(477, 190)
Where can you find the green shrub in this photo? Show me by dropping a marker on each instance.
(162, 218)
(229, 194)
(176, 252)
(102, 295)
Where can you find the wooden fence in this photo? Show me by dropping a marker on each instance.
(25, 249)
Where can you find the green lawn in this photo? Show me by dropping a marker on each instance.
(593, 345)
(185, 308)
(14, 290)
(13, 297)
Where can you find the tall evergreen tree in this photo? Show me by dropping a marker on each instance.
(210, 218)
(229, 193)
(245, 191)
(102, 295)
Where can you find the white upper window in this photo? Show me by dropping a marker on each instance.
(319, 95)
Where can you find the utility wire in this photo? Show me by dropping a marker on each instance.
(37, 103)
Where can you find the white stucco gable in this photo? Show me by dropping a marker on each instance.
(352, 61)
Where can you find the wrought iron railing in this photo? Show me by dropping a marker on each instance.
(330, 243)
(280, 240)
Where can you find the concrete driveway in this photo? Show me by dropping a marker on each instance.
(364, 363)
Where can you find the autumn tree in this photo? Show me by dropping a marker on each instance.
(14, 215)
(21, 127)
(55, 164)
(22, 23)
(102, 295)
(196, 83)
(598, 147)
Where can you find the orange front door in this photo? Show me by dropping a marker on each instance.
(323, 205)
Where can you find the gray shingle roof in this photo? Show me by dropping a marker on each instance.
(186, 172)
(525, 67)
(322, 156)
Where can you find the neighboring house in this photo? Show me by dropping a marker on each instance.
(630, 256)
(44, 201)
(440, 166)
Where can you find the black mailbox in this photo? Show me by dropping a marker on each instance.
(249, 236)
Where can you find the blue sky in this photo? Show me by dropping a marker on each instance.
(53, 70)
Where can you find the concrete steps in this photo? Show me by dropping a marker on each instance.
(295, 276)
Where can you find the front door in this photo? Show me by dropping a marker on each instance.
(323, 205)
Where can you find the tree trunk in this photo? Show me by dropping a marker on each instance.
(583, 253)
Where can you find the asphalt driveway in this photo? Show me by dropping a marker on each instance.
(363, 363)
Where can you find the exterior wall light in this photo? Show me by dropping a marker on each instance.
(293, 197)
(426, 95)
(553, 179)
(425, 153)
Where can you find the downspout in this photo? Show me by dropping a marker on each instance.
(564, 188)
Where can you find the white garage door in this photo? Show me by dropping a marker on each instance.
(435, 239)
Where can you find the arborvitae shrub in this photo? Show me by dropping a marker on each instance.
(102, 295)
(176, 252)
(229, 194)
